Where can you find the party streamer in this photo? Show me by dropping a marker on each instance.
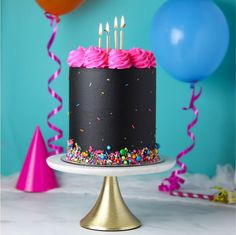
(222, 195)
(54, 20)
(174, 181)
(192, 195)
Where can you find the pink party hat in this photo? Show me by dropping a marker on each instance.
(36, 176)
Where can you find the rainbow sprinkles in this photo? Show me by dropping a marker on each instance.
(124, 157)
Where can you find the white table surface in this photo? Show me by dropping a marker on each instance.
(58, 212)
(56, 163)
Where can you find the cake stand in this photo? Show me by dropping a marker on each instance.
(110, 212)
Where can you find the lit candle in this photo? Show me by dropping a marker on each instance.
(100, 36)
(122, 25)
(115, 33)
(108, 36)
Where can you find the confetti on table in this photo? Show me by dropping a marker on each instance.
(150, 92)
(127, 84)
(108, 79)
(77, 105)
(111, 113)
(125, 138)
(150, 110)
(136, 110)
(81, 130)
(102, 139)
(90, 84)
(98, 118)
(90, 123)
(133, 126)
(137, 79)
(102, 93)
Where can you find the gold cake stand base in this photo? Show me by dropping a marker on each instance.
(110, 212)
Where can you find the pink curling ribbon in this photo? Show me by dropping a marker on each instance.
(174, 181)
(54, 20)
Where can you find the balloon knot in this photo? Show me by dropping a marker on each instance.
(57, 19)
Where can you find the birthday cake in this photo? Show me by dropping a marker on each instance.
(112, 107)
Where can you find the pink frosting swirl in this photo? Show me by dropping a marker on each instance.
(119, 59)
(76, 57)
(139, 58)
(95, 58)
(152, 59)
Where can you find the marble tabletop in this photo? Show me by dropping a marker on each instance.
(59, 211)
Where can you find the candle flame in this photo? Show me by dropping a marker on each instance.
(122, 22)
(115, 23)
(100, 30)
(107, 27)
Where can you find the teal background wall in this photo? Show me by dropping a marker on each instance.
(26, 68)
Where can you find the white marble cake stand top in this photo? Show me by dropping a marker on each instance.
(56, 163)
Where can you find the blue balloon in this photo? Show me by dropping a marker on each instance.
(190, 38)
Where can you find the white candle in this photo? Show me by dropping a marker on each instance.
(122, 25)
(115, 33)
(100, 36)
(108, 36)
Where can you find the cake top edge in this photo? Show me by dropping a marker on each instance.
(96, 57)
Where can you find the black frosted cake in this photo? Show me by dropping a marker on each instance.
(112, 102)
(112, 107)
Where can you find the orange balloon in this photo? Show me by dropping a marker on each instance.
(59, 7)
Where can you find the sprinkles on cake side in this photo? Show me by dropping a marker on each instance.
(124, 157)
